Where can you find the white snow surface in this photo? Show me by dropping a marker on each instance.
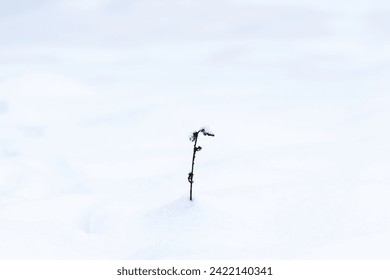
(98, 99)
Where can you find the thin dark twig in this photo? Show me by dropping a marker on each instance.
(194, 138)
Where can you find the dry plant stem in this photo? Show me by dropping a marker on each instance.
(191, 175)
(196, 149)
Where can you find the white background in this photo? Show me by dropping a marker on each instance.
(98, 98)
(281, 270)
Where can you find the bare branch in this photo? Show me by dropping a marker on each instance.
(194, 138)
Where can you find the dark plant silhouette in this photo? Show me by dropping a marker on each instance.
(194, 138)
